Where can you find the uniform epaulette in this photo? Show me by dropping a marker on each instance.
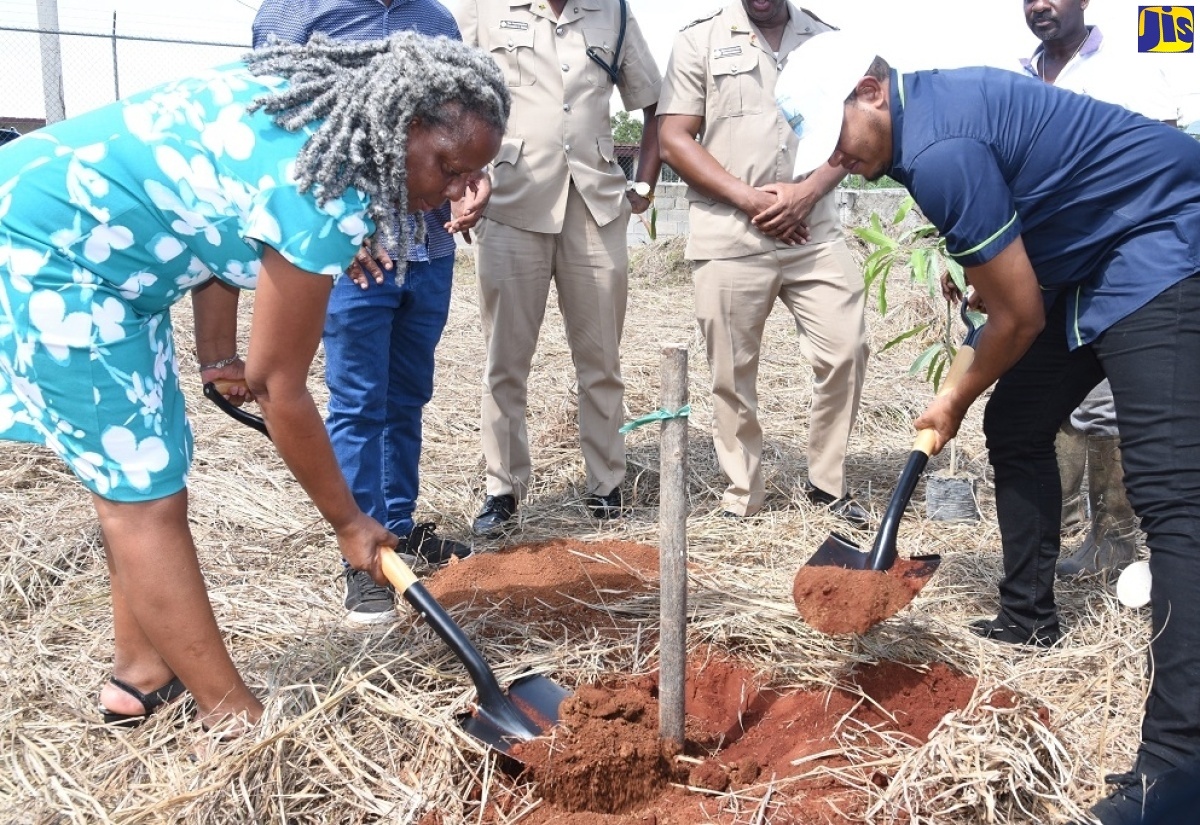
(701, 20)
(819, 20)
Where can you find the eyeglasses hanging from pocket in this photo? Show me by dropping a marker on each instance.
(612, 69)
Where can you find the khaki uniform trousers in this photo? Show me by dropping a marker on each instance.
(589, 265)
(823, 289)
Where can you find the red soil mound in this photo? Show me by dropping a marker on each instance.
(555, 578)
(603, 763)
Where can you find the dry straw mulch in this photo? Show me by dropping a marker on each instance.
(360, 726)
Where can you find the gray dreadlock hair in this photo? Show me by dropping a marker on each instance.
(365, 95)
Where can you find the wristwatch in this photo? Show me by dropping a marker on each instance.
(641, 189)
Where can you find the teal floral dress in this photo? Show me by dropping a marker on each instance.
(107, 220)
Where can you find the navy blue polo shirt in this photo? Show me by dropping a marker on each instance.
(296, 21)
(1106, 201)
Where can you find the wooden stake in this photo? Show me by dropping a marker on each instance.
(672, 553)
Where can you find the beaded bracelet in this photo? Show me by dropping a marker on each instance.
(216, 365)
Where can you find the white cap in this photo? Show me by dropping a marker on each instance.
(812, 90)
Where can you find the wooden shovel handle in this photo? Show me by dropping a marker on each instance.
(224, 385)
(398, 573)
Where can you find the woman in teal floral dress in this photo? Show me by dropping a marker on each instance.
(269, 173)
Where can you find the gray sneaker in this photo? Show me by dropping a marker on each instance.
(366, 601)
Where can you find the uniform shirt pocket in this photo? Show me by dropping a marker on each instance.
(512, 49)
(607, 148)
(510, 151)
(737, 83)
(601, 42)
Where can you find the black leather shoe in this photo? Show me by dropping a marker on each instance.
(845, 508)
(496, 511)
(1153, 793)
(607, 506)
(1002, 630)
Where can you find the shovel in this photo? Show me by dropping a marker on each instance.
(839, 552)
(501, 720)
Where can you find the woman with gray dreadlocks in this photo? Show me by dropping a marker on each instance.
(268, 173)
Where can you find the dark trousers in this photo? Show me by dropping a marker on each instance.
(1152, 360)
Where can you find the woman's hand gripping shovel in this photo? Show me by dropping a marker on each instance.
(501, 720)
(843, 589)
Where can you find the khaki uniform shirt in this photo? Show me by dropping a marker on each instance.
(559, 130)
(722, 69)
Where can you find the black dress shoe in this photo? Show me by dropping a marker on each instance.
(1153, 793)
(496, 511)
(607, 506)
(1000, 629)
(845, 508)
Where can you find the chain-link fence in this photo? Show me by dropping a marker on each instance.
(96, 68)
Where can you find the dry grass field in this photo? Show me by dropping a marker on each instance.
(360, 725)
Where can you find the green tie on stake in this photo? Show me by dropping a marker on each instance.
(658, 415)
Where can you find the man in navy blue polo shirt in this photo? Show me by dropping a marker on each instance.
(379, 341)
(1078, 223)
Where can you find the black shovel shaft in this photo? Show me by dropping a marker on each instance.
(236, 413)
(883, 552)
(500, 710)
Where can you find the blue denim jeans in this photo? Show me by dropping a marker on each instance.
(1152, 361)
(379, 344)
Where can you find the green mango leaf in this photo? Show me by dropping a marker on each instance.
(956, 273)
(877, 238)
(939, 373)
(904, 336)
(918, 265)
(923, 361)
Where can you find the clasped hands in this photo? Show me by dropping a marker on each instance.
(780, 210)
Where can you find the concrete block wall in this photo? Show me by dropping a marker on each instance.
(670, 201)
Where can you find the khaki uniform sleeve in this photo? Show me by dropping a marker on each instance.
(640, 81)
(685, 86)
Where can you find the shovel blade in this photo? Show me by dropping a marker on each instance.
(529, 709)
(839, 551)
(922, 568)
(837, 591)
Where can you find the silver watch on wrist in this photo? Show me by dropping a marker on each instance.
(640, 188)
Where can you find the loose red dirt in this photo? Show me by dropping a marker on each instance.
(837, 600)
(604, 764)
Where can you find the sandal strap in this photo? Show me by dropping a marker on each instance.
(155, 699)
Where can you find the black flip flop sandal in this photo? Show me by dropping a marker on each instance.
(150, 702)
